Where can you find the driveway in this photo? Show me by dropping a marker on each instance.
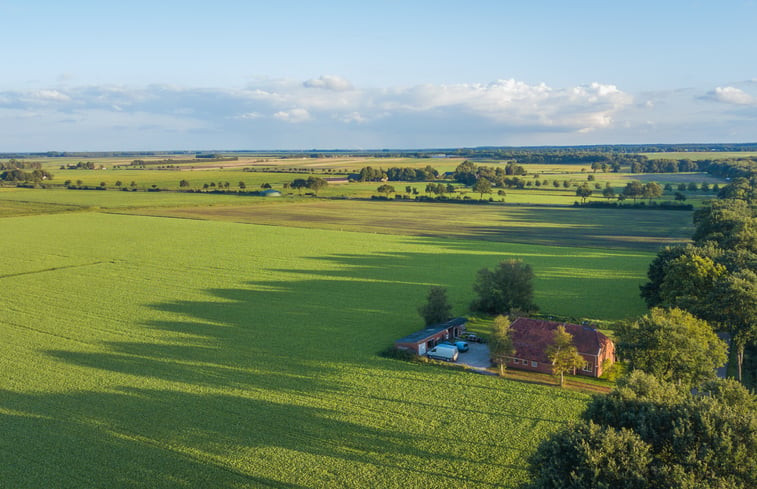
(477, 356)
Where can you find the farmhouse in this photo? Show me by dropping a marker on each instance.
(422, 341)
(531, 337)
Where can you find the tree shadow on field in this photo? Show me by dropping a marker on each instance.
(150, 438)
(617, 229)
(277, 383)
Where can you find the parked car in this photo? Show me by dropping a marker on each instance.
(444, 351)
(472, 337)
(461, 346)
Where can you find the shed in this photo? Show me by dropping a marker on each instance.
(422, 341)
(270, 193)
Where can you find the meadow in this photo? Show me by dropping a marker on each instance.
(170, 339)
(546, 225)
(146, 351)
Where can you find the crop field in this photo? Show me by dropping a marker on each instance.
(567, 226)
(700, 155)
(169, 179)
(31, 199)
(182, 353)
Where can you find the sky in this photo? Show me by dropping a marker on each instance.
(170, 75)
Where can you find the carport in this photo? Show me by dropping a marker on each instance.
(422, 341)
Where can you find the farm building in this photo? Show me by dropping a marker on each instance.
(422, 341)
(270, 193)
(531, 337)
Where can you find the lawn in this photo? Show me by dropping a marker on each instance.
(153, 352)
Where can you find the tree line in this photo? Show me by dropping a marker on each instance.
(370, 174)
(670, 423)
(17, 175)
(14, 164)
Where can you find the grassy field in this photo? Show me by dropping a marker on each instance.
(558, 226)
(168, 339)
(700, 155)
(144, 351)
(93, 199)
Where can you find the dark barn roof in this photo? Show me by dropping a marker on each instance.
(531, 337)
(421, 335)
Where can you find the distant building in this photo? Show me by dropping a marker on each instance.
(270, 193)
(531, 337)
(337, 179)
(422, 341)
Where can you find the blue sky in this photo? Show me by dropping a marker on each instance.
(294, 74)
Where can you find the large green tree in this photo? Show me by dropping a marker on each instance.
(649, 434)
(689, 282)
(563, 354)
(592, 456)
(501, 342)
(437, 308)
(729, 223)
(734, 305)
(482, 186)
(651, 190)
(634, 190)
(584, 192)
(385, 189)
(672, 345)
(316, 183)
(509, 286)
(659, 267)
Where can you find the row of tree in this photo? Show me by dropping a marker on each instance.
(17, 175)
(715, 278)
(370, 174)
(14, 164)
(312, 183)
(670, 423)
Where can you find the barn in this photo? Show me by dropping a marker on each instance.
(422, 341)
(531, 337)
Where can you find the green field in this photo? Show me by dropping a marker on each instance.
(560, 226)
(145, 351)
(163, 339)
(700, 155)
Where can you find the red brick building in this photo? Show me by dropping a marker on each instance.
(531, 337)
(422, 341)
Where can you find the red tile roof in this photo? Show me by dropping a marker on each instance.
(532, 336)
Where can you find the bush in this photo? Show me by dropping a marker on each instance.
(398, 354)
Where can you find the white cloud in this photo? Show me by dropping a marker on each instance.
(294, 116)
(329, 82)
(731, 95)
(353, 117)
(249, 115)
(506, 111)
(514, 103)
(51, 95)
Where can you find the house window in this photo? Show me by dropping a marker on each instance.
(586, 367)
(534, 364)
(515, 360)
